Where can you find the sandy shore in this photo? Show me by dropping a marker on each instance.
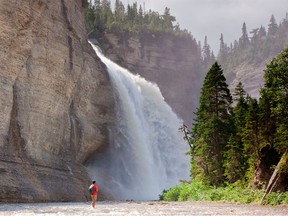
(141, 208)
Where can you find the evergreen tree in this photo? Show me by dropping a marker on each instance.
(262, 33)
(90, 18)
(235, 165)
(254, 38)
(208, 56)
(252, 141)
(99, 21)
(206, 51)
(244, 39)
(212, 128)
(276, 90)
(222, 44)
(199, 50)
(223, 51)
(260, 44)
(239, 93)
(168, 20)
(119, 11)
(140, 15)
(272, 27)
(106, 13)
(236, 45)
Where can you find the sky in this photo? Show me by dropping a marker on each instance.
(213, 17)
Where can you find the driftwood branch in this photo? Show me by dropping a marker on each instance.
(276, 175)
(186, 137)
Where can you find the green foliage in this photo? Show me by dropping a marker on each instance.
(198, 191)
(239, 144)
(171, 195)
(276, 92)
(99, 17)
(276, 198)
(212, 128)
(90, 18)
(236, 192)
(251, 138)
(235, 162)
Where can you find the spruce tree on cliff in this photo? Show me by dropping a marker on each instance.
(212, 128)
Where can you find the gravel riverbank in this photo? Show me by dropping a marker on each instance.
(141, 208)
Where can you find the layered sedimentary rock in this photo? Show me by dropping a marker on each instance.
(56, 101)
(165, 59)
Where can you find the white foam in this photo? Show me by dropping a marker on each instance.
(146, 153)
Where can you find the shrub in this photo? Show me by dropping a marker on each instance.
(276, 198)
(198, 191)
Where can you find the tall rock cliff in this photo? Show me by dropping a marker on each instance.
(56, 101)
(174, 63)
(251, 76)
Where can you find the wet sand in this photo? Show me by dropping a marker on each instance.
(141, 208)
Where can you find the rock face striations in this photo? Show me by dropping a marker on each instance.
(56, 101)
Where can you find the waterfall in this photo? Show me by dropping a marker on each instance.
(146, 151)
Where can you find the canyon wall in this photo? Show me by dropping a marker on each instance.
(56, 101)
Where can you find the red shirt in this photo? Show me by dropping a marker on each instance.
(95, 190)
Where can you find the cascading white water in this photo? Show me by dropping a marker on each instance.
(146, 152)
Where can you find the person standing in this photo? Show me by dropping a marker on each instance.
(93, 189)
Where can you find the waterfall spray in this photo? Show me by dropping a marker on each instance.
(146, 151)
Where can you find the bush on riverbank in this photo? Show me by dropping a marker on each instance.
(198, 191)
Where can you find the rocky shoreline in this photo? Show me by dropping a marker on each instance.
(141, 208)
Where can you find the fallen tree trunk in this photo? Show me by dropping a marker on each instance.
(280, 168)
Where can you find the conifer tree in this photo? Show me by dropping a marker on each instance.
(99, 21)
(244, 39)
(252, 141)
(90, 18)
(212, 128)
(262, 33)
(272, 27)
(140, 15)
(235, 163)
(208, 55)
(223, 50)
(206, 51)
(168, 19)
(106, 13)
(276, 90)
(254, 38)
(119, 11)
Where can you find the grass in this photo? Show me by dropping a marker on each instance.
(198, 191)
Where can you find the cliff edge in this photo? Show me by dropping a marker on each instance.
(56, 101)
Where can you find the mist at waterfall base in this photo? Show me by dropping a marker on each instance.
(146, 152)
